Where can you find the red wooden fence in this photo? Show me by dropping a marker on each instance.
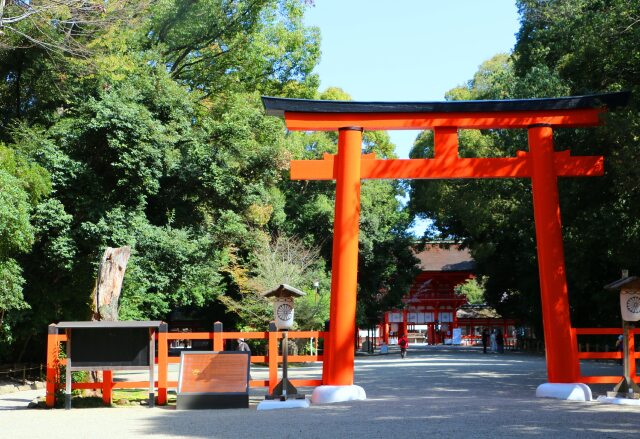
(218, 337)
(613, 355)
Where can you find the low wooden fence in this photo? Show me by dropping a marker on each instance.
(612, 355)
(218, 338)
(510, 343)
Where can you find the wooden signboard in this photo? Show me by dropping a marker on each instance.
(107, 345)
(213, 380)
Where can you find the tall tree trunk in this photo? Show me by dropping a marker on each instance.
(106, 294)
(105, 298)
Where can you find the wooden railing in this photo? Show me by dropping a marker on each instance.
(218, 338)
(510, 343)
(613, 355)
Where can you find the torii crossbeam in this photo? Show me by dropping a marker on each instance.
(541, 163)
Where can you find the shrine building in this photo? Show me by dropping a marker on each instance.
(432, 309)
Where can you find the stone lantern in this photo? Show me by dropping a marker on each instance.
(629, 287)
(283, 314)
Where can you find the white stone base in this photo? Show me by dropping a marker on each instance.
(622, 401)
(568, 391)
(276, 404)
(330, 394)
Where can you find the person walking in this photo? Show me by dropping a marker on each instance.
(494, 344)
(500, 341)
(403, 342)
(485, 340)
(620, 348)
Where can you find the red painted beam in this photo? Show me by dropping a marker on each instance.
(446, 168)
(508, 167)
(599, 355)
(302, 121)
(600, 379)
(598, 331)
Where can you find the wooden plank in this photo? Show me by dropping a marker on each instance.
(598, 331)
(246, 335)
(600, 379)
(306, 382)
(190, 335)
(599, 355)
(301, 121)
(259, 383)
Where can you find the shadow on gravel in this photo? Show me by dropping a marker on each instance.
(444, 392)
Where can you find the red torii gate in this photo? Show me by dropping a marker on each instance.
(541, 163)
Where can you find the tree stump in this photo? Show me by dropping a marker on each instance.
(105, 298)
(106, 294)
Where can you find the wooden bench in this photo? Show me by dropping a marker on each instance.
(213, 380)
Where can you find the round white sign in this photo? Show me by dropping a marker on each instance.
(630, 305)
(283, 312)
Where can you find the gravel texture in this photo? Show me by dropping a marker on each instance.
(437, 391)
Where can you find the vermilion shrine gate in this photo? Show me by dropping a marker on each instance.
(541, 164)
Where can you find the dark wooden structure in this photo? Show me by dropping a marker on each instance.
(107, 346)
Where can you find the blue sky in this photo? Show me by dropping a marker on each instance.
(408, 50)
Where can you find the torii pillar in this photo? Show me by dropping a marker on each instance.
(344, 267)
(541, 163)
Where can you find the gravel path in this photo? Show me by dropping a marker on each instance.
(439, 391)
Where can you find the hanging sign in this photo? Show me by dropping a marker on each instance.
(630, 305)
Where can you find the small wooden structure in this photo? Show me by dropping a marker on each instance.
(283, 296)
(629, 287)
(109, 346)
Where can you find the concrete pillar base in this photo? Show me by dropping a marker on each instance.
(276, 404)
(330, 394)
(566, 391)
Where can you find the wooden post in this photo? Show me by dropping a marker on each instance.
(436, 323)
(163, 363)
(68, 382)
(385, 328)
(631, 351)
(273, 357)
(218, 341)
(107, 386)
(561, 348)
(405, 322)
(326, 354)
(152, 366)
(344, 279)
(53, 371)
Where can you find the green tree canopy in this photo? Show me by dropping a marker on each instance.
(563, 48)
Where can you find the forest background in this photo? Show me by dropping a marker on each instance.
(140, 124)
